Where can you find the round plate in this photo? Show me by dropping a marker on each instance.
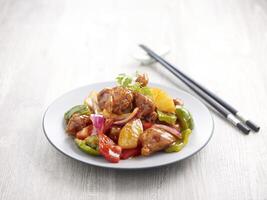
(54, 129)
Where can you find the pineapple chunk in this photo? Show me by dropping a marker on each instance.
(162, 100)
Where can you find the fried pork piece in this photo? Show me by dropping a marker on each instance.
(105, 99)
(142, 79)
(122, 100)
(114, 133)
(77, 122)
(115, 100)
(145, 105)
(152, 117)
(155, 139)
(178, 102)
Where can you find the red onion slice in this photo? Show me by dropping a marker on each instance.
(131, 116)
(171, 130)
(98, 123)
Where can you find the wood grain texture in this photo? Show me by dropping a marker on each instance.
(48, 47)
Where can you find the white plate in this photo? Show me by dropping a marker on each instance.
(53, 126)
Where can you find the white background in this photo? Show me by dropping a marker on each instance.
(48, 47)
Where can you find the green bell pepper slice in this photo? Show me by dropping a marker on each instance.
(167, 117)
(184, 117)
(176, 147)
(180, 143)
(85, 148)
(92, 141)
(80, 109)
(185, 135)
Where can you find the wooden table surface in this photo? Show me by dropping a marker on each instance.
(48, 47)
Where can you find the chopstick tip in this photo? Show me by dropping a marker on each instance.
(243, 128)
(253, 126)
(142, 46)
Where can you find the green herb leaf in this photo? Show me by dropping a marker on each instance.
(145, 91)
(126, 81)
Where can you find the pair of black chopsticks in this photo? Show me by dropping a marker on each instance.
(225, 109)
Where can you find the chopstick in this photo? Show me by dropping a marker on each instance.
(225, 109)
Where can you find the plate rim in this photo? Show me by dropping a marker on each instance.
(128, 168)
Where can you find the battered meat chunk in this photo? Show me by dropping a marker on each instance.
(155, 139)
(122, 100)
(142, 79)
(115, 133)
(178, 102)
(116, 100)
(145, 105)
(77, 122)
(152, 117)
(105, 99)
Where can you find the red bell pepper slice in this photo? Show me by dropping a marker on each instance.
(108, 149)
(127, 153)
(147, 125)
